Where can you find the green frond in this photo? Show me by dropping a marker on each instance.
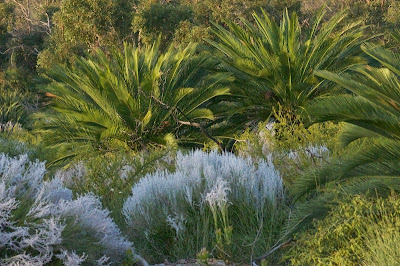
(126, 99)
(352, 133)
(273, 64)
(373, 132)
(358, 111)
(376, 159)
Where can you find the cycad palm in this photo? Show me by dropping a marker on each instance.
(372, 113)
(274, 64)
(11, 107)
(129, 99)
(372, 117)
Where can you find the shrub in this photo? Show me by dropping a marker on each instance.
(11, 106)
(14, 145)
(112, 176)
(293, 147)
(14, 148)
(41, 222)
(16, 105)
(382, 244)
(358, 231)
(226, 204)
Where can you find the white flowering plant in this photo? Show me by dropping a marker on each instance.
(218, 202)
(41, 221)
(174, 214)
(112, 176)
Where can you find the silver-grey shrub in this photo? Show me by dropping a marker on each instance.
(40, 221)
(174, 207)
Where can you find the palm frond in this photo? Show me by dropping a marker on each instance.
(122, 97)
(273, 64)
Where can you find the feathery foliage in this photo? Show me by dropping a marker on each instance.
(170, 214)
(41, 219)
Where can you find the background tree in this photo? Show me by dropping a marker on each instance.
(183, 21)
(83, 26)
(379, 16)
(24, 26)
(155, 18)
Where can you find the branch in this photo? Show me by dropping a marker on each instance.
(272, 251)
(187, 123)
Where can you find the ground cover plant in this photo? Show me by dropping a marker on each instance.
(360, 230)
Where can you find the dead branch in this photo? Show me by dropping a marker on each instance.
(271, 251)
(173, 111)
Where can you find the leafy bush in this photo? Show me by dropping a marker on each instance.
(41, 222)
(359, 231)
(382, 244)
(153, 19)
(82, 26)
(293, 147)
(13, 146)
(226, 204)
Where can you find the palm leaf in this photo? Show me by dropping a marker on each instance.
(122, 98)
(273, 64)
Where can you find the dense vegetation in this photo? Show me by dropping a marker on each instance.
(254, 132)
